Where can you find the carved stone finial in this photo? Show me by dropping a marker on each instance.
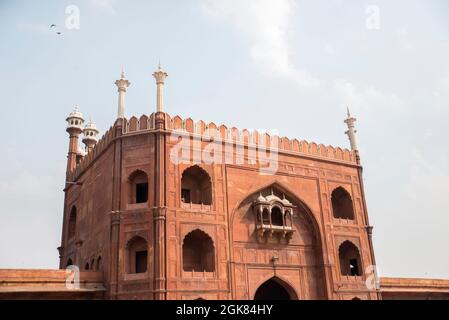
(351, 132)
(160, 76)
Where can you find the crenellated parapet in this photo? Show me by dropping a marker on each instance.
(251, 138)
(98, 149)
(220, 133)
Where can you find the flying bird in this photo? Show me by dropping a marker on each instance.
(53, 25)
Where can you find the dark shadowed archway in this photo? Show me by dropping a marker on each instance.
(275, 289)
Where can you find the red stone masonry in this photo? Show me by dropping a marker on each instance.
(307, 263)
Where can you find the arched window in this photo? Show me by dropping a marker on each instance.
(350, 262)
(196, 186)
(342, 206)
(86, 266)
(288, 219)
(198, 252)
(138, 187)
(137, 255)
(99, 265)
(92, 264)
(72, 223)
(69, 263)
(266, 217)
(276, 217)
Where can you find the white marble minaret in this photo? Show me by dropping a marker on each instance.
(351, 131)
(121, 84)
(160, 76)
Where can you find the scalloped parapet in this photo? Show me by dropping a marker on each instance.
(218, 132)
(244, 136)
(102, 144)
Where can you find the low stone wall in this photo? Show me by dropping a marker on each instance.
(49, 284)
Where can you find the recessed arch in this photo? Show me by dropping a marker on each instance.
(290, 194)
(196, 186)
(276, 217)
(275, 289)
(342, 205)
(137, 187)
(350, 260)
(71, 229)
(305, 226)
(137, 255)
(198, 252)
(69, 263)
(99, 264)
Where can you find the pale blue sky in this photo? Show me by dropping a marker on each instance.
(292, 66)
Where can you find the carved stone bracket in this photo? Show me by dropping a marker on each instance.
(159, 213)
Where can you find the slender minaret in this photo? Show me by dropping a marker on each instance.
(90, 136)
(160, 203)
(160, 76)
(75, 122)
(351, 131)
(122, 84)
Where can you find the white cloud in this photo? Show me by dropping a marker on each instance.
(366, 99)
(330, 49)
(441, 93)
(266, 24)
(108, 5)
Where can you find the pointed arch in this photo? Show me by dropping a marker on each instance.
(196, 186)
(72, 223)
(305, 226)
(198, 252)
(350, 260)
(275, 288)
(288, 193)
(99, 264)
(137, 255)
(342, 205)
(137, 187)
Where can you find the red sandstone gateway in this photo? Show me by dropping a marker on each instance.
(168, 208)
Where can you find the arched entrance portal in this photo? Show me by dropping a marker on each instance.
(275, 289)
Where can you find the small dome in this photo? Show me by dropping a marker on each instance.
(75, 120)
(272, 198)
(261, 198)
(90, 126)
(75, 114)
(285, 201)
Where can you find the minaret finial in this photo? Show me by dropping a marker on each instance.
(348, 113)
(351, 130)
(160, 76)
(121, 84)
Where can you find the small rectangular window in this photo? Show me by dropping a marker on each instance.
(141, 261)
(141, 192)
(185, 195)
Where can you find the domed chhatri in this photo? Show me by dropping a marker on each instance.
(75, 120)
(90, 133)
(75, 123)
